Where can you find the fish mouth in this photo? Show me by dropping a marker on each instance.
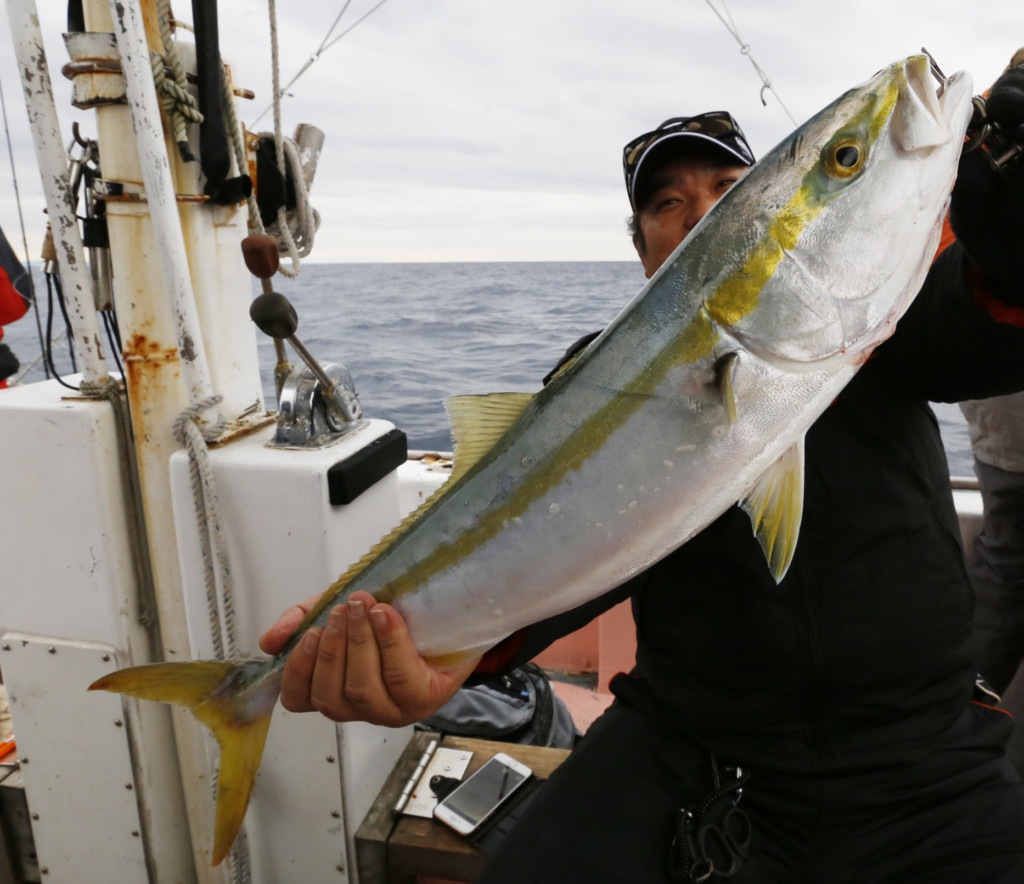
(926, 117)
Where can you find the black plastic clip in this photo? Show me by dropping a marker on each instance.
(712, 838)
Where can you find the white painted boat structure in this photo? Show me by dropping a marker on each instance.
(121, 790)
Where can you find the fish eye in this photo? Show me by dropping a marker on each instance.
(844, 158)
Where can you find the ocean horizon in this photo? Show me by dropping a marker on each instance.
(413, 334)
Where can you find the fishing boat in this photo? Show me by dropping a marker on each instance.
(190, 516)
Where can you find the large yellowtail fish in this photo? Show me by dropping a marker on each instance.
(696, 397)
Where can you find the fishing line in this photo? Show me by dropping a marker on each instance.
(47, 351)
(730, 26)
(324, 46)
(21, 220)
(113, 337)
(67, 322)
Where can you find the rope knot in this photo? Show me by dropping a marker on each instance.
(188, 421)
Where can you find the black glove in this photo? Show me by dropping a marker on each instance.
(987, 207)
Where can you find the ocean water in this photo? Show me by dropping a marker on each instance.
(414, 334)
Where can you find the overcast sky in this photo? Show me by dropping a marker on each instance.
(470, 130)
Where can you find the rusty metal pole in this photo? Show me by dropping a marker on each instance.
(164, 373)
(129, 29)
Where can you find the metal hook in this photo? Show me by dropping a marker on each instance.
(936, 70)
(78, 138)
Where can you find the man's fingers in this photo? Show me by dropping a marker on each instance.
(402, 670)
(326, 691)
(281, 630)
(298, 673)
(363, 686)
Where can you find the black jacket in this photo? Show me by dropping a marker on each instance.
(861, 656)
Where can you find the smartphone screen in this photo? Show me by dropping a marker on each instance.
(475, 799)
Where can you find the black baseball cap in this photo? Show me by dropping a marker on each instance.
(716, 128)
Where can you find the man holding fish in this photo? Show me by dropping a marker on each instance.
(801, 710)
(845, 690)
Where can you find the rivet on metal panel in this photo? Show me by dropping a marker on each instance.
(340, 868)
(336, 814)
(7, 647)
(35, 816)
(106, 658)
(118, 722)
(135, 833)
(22, 760)
(330, 759)
(52, 649)
(129, 786)
(44, 871)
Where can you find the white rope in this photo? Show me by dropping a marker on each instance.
(179, 103)
(216, 568)
(730, 26)
(295, 230)
(238, 147)
(212, 543)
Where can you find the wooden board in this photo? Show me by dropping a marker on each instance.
(427, 847)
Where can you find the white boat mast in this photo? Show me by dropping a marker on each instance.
(53, 167)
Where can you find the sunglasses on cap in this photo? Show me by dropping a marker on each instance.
(716, 127)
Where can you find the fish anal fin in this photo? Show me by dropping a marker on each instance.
(775, 505)
(478, 422)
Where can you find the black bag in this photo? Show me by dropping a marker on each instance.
(516, 707)
(8, 362)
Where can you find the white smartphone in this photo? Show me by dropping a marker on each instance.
(472, 802)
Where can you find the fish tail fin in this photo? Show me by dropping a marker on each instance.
(237, 711)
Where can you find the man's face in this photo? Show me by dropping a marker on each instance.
(681, 192)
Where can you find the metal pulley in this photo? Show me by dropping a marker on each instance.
(317, 405)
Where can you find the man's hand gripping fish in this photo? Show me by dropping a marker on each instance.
(696, 397)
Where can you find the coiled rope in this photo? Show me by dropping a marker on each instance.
(294, 230)
(179, 104)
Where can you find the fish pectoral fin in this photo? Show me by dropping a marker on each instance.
(775, 505)
(239, 719)
(725, 374)
(478, 422)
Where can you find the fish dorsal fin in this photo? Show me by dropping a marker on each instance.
(477, 423)
(333, 594)
(480, 421)
(725, 373)
(775, 505)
